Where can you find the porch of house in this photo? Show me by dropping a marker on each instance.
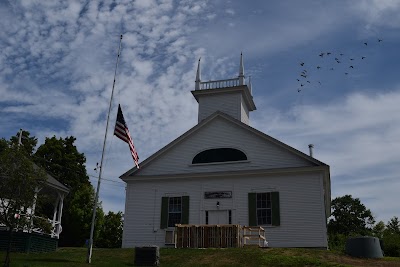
(217, 236)
(46, 210)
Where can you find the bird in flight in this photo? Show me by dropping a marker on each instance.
(346, 73)
(328, 53)
(380, 40)
(351, 67)
(298, 90)
(322, 54)
(351, 58)
(366, 43)
(298, 80)
(318, 67)
(362, 57)
(301, 63)
(308, 81)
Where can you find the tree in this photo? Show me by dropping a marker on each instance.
(379, 229)
(393, 226)
(61, 158)
(391, 238)
(350, 217)
(19, 181)
(28, 143)
(110, 235)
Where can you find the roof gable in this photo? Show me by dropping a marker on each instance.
(222, 131)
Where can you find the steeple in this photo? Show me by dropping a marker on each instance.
(241, 70)
(198, 76)
(230, 96)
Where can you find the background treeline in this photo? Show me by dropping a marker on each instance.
(60, 158)
(350, 218)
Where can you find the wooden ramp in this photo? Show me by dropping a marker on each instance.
(218, 236)
(207, 236)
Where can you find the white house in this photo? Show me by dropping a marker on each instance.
(223, 171)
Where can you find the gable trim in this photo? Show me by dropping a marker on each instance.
(219, 114)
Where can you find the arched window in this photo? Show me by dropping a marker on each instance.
(219, 155)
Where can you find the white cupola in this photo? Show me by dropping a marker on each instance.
(231, 96)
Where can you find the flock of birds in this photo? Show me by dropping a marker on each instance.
(330, 61)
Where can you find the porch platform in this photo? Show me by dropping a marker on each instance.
(217, 236)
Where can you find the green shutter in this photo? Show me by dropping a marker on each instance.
(185, 210)
(252, 209)
(276, 220)
(164, 213)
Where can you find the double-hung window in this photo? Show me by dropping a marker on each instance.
(264, 209)
(174, 211)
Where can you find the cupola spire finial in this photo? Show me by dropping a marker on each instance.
(241, 70)
(198, 76)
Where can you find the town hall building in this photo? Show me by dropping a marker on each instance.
(222, 171)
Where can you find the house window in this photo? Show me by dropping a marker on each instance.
(219, 155)
(264, 209)
(174, 211)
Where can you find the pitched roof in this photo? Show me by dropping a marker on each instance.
(52, 182)
(219, 114)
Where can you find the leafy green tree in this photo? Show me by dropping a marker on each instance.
(350, 217)
(391, 238)
(19, 180)
(110, 235)
(28, 143)
(61, 158)
(379, 229)
(393, 226)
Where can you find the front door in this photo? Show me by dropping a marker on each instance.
(218, 217)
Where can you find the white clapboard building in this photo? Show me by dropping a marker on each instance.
(223, 171)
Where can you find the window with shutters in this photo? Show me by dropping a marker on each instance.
(174, 211)
(264, 209)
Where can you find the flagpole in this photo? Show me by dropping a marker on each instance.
(90, 245)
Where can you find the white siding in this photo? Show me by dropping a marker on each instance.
(222, 133)
(244, 112)
(229, 103)
(302, 213)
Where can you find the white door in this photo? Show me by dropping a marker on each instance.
(218, 217)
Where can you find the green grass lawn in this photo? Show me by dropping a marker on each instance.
(198, 257)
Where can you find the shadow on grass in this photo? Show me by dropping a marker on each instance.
(49, 260)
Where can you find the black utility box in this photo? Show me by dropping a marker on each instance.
(147, 256)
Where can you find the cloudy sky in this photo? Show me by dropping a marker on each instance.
(57, 62)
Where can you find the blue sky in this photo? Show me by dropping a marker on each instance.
(57, 64)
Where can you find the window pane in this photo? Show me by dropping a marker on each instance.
(264, 204)
(269, 216)
(174, 218)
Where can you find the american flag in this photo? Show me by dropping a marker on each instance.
(122, 132)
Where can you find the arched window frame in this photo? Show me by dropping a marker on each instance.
(220, 162)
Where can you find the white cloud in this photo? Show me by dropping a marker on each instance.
(357, 136)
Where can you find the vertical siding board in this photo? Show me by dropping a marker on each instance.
(164, 213)
(185, 210)
(276, 219)
(252, 204)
